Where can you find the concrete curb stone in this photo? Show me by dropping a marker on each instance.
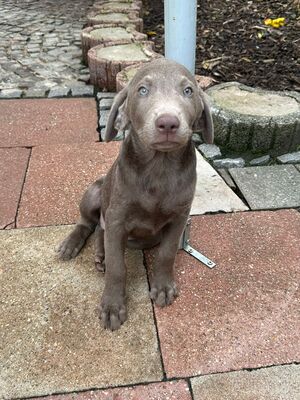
(11, 94)
(58, 91)
(229, 163)
(35, 93)
(290, 158)
(210, 151)
(264, 160)
(83, 91)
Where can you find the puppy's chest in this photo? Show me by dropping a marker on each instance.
(147, 219)
(151, 211)
(162, 203)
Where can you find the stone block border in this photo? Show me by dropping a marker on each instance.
(54, 92)
(102, 34)
(97, 17)
(254, 119)
(119, 7)
(106, 60)
(125, 75)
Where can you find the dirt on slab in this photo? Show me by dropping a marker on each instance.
(236, 42)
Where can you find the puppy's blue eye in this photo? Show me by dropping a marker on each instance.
(143, 91)
(188, 91)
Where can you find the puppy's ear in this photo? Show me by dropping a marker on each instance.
(117, 118)
(204, 122)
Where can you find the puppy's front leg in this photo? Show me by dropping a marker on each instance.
(163, 288)
(113, 311)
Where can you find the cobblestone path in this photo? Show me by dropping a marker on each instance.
(40, 44)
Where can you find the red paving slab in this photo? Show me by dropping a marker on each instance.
(57, 178)
(13, 164)
(175, 390)
(47, 121)
(245, 312)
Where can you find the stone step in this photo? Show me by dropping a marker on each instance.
(105, 61)
(254, 119)
(119, 6)
(104, 34)
(123, 77)
(118, 19)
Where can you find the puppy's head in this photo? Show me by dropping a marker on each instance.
(163, 105)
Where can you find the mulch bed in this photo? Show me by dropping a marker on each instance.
(234, 44)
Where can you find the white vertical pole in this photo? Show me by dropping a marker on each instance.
(180, 31)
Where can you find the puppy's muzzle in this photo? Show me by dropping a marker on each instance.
(167, 124)
(166, 133)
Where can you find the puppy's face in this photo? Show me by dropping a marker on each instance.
(163, 104)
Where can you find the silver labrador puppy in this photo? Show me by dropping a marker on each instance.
(145, 198)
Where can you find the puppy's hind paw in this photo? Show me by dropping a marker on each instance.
(70, 247)
(100, 264)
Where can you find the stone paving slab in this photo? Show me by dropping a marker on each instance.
(244, 313)
(212, 194)
(174, 390)
(13, 164)
(31, 122)
(57, 177)
(51, 340)
(276, 383)
(298, 167)
(272, 187)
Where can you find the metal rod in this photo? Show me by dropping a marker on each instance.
(180, 32)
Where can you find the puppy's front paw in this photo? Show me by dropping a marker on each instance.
(113, 312)
(163, 293)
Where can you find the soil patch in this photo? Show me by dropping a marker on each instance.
(234, 44)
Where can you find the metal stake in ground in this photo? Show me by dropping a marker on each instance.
(185, 245)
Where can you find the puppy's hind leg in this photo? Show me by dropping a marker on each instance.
(99, 249)
(90, 214)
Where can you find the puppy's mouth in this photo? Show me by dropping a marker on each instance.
(167, 142)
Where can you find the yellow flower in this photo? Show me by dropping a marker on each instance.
(275, 23)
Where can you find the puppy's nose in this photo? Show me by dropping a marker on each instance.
(167, 123)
